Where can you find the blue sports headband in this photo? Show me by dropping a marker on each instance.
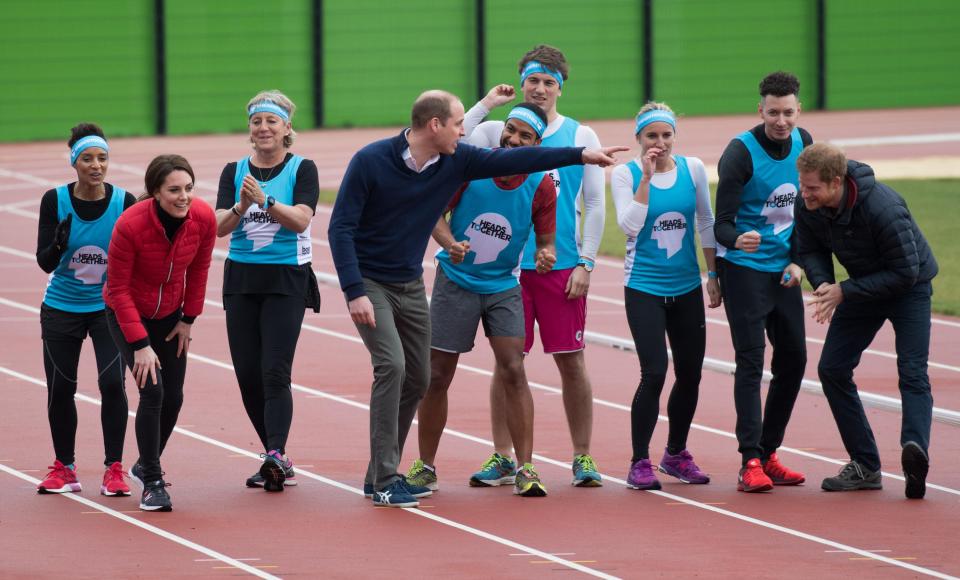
(536, 67)
(268, 107)
(86, 143)
(654, 116)
(530, 118)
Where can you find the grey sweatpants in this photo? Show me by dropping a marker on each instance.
(399, 349)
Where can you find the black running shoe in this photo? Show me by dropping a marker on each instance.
(289, 478)
(274, 470)
(853, 477)
(915, 466)
(155, 497)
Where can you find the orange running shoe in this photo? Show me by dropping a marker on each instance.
(779, 474)
(753, 479)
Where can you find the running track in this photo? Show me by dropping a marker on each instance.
(324, 527)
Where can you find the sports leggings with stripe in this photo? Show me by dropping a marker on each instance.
(682, 319)
(63, 335)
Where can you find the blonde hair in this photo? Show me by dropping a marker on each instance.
(827, 160)
(281, 100)
(655, 106)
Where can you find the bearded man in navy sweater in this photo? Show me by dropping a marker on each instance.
(390, 198)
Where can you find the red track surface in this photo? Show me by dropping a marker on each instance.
(324, 527)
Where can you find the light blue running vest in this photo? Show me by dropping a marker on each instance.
(76, 285)
(569, 182)
(497, 223)
(767, 206)
(662, 258)
(259, 238)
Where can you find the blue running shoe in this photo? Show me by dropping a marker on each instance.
(274, 470)
(368, 490)
(585, 472)
(395, 495)
(496, 471)
(136, 474)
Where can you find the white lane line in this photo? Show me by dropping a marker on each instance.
(897, 140)
(540, 458)
(327, 481)
(213, 554)
(27, 178)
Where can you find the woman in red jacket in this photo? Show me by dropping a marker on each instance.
(156, 281)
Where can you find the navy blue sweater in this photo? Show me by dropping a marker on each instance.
(385, 211)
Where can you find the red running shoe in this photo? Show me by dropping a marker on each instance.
(113, 483)
(61, 479)
(779, 474)
(753, 479)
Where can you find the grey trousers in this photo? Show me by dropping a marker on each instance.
(399, 349)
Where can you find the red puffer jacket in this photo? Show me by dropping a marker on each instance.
(150, 277)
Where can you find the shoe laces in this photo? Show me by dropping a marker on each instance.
(59, 470)
(585, 462)
(529, 470)
(850, 469)
(116, 472)
(642, 469)
(493, 461)
(416, 468)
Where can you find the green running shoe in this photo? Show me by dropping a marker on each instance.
(528, 483)
(422, 475)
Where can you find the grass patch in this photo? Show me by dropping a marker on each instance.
(932, 202)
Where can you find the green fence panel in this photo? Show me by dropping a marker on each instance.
(220, 54)
(378, 56)
(709, 56)
(892, 54)
(600, 40)
(66, 62)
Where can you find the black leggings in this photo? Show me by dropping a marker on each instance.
(263, 330)
(160, 402)
(63, 335)
(683, 320)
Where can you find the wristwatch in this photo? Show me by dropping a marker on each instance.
(586, 263)
(271, 201)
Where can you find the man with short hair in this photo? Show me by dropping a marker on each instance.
(760, 279)
(391, 196)
(478, 280)
(556, 302)
(846, 212)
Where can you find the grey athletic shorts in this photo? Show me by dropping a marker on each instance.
(455, 314)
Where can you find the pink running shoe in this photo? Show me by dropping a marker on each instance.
(641, 476)
(61, 479)
(113, 483)
(682, 467)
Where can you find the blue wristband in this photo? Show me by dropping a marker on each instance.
(711, 274)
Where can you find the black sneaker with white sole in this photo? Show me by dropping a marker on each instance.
(289, 479)
(853, 477)
(915, 466)
(155, 497)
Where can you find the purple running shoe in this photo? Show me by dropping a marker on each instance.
(682, 467)
(641, 476)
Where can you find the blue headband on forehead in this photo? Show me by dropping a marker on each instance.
(86, 143)
(654, 116)
(529, 117)
(268, 107)
(537, 67)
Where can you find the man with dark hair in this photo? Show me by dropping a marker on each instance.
(478, 281)
(867, 225)
(760, 278)
(555, 302)
(391, 196)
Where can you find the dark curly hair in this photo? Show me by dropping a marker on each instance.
(84, 130)
(779, 84)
